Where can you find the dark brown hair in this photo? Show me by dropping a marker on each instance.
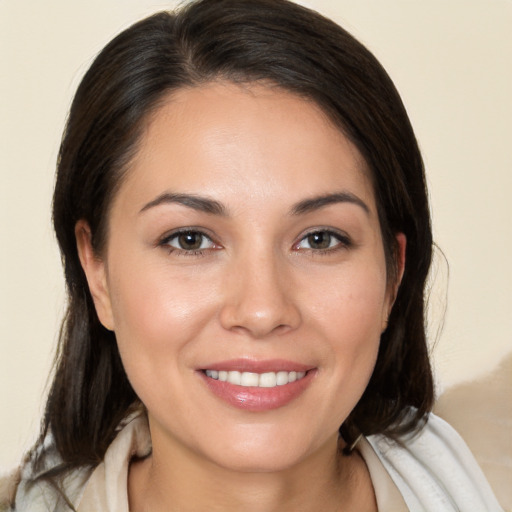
(279, 43)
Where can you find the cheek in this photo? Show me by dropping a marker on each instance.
(156, 315)
(350, 315)
(353, 302)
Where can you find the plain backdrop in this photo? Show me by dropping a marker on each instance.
(450, 60)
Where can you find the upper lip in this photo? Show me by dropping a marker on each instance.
(258, 366)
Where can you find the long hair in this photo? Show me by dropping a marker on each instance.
(270, 41)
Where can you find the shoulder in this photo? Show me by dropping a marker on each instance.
(8, 484)
(102, 488)
(435, 470)
(20, 493)
(29, 490)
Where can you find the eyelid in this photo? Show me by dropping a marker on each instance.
(164, 240)
(343, 238)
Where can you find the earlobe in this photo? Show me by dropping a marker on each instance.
(95, 272)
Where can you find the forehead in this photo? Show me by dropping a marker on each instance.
(243, 143)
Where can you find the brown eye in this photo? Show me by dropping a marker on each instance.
(190, 241)
(319, 240)
(324, 240)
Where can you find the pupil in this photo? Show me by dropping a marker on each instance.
(319, 240)
(190, 241)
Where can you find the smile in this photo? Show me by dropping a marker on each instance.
(257, 386)
(251, 379)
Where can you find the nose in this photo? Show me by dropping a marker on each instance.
(259, 297)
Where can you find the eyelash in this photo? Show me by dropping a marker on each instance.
(343, 242)
(165, 242)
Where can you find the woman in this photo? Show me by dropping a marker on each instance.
(242, 213)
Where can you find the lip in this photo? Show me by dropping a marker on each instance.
(256, 399)
(250, 365)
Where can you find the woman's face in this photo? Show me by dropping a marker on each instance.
(244, 245)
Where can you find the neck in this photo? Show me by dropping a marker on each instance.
(180, 480)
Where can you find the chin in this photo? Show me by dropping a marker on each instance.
(264, 450)
(249, 462)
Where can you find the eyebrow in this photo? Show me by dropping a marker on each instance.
(202, 204)
(212, 207)
(315, 203)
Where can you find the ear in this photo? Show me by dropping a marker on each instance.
(400, 264)
(400, 268)
(95, 272)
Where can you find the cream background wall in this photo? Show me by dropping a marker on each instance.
(451, 61)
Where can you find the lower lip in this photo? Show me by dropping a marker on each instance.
(256, 399)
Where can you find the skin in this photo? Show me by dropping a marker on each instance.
(257, 289)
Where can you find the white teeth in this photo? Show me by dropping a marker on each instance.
(235, 378)
(249, 379)
(268, 380)
(262, 380)
(281, 378)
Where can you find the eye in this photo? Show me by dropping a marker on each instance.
(188, 241)
(323, 240)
